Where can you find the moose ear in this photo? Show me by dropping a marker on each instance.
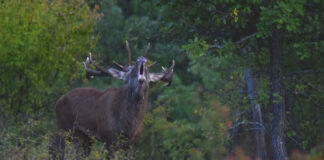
(154, 77)
(116, 73)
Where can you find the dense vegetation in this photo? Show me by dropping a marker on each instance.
(248, 77)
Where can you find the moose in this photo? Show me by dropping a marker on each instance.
(107, 114)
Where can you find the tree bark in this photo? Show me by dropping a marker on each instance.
(261, 153)
(276, 98)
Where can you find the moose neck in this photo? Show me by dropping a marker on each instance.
(136, 98)
(133, 108)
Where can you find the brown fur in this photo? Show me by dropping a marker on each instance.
(106, 115)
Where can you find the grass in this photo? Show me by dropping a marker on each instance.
(30, 141)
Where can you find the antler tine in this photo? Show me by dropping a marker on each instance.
(152, 64)
(119, 65)
(90, 59)
(169, 74)
(147, 49)
(86, 64)
(129, 54)
(91, 73)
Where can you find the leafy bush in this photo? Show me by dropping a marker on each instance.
(185, 125)
(41, 43)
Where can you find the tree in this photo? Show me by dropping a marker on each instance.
(278, 143)
(40, 48)
(278, 60)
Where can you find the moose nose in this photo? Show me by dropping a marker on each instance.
(141, 59)
(141, 79)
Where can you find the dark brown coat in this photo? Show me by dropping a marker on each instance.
(108, 115)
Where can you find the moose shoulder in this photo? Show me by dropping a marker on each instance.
(107, 114)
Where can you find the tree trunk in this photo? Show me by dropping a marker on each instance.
(257, 118)
(256, 115)
(235, 130)
(276, 98)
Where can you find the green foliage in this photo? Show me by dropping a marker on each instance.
(185, 128)
(26, 140)
(40, 47)
(281, 15)
(219, 74)
(196, 48)
(218, 69)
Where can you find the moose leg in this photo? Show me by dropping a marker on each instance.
(129, 152)
(111, 150)
(129, 149)
(57, 146)
(125, 148)
(82, 143)
(86, 143)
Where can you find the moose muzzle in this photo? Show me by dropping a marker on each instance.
(141, 69)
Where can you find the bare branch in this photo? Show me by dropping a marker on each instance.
(260, 125)
(215, 46)
(245, 38)
(301, 72)
(237, 42)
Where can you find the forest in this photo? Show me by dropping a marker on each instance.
(248, 79)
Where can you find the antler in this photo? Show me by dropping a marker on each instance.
(91, 73)
(119, 65)
(150, 65)
(147, 53)
(168, 74)
(147, 49)
(129, 54)
(129, 58)
(165, 75)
